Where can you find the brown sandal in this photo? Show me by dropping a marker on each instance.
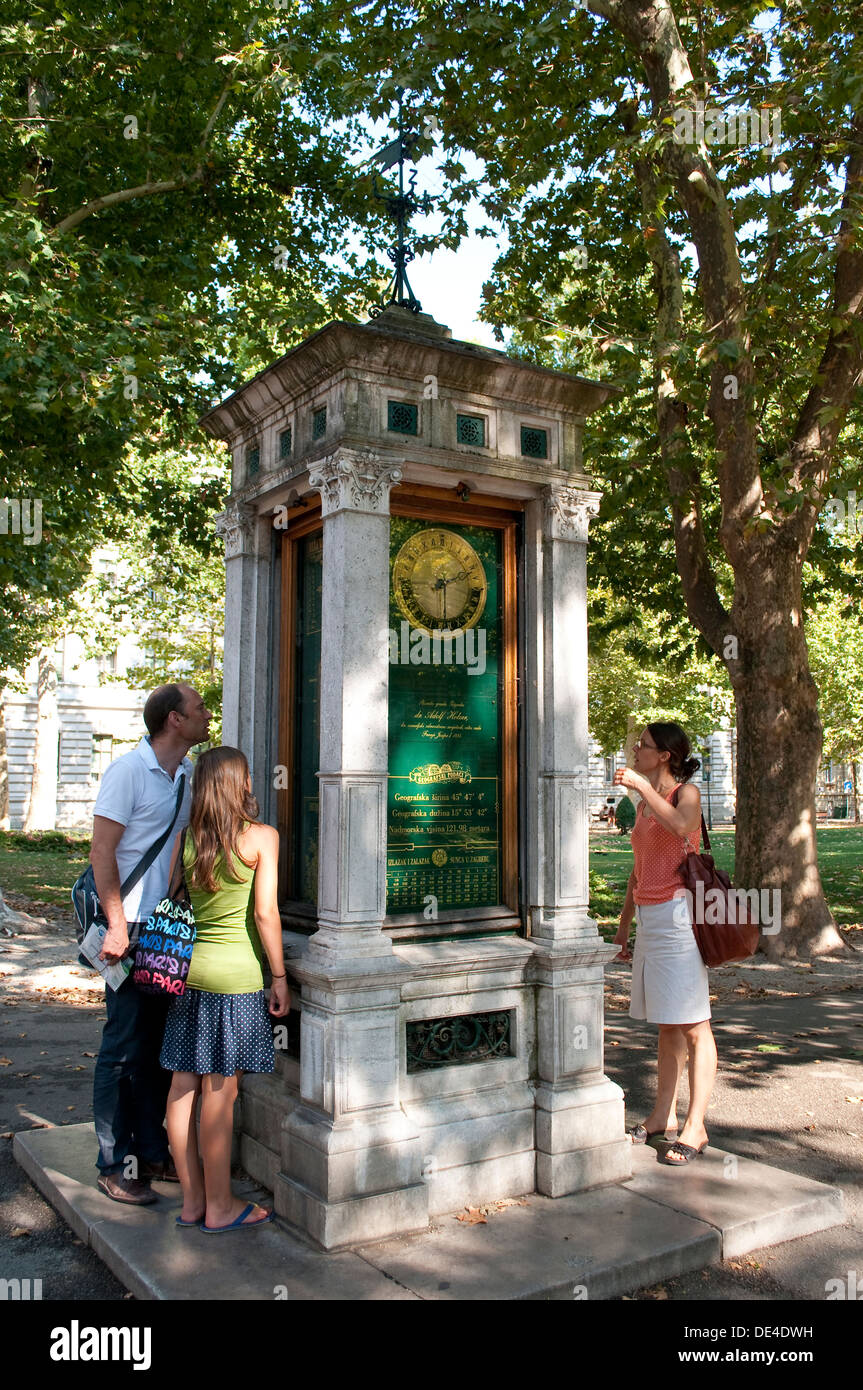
(686, 1151)
(640, 1135)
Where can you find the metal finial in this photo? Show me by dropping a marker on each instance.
(400, 206)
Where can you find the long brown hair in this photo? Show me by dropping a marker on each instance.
(221, 806)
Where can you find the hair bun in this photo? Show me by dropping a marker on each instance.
(690, 767)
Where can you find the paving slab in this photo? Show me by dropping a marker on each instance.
(751, 1204)
(155, 1259)
(598, 1244)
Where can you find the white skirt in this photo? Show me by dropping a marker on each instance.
(669, 978)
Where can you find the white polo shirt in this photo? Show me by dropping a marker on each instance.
(138, 793)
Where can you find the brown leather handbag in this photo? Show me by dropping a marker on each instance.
(732, 936)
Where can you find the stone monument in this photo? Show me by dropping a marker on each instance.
(406, 669)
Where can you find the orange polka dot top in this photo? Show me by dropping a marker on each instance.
(658, 854)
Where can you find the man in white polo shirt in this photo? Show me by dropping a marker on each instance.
(135, 804)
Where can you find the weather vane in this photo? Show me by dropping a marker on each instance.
(401, 206)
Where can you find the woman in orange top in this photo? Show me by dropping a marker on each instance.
(669, 978)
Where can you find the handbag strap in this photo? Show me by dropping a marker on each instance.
(156, 848)
(703, 826)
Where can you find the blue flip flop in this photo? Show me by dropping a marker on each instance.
(181, 1222)
(241, 1223)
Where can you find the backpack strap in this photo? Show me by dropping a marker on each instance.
(156, 848)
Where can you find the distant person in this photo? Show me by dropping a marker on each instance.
(610, 813)
(219, 1028)
(135, 805)
(669, 977)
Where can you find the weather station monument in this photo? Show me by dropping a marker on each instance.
(406, 670)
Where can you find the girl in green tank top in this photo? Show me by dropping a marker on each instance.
(220, 1028)
(227, 955)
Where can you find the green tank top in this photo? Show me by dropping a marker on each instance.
(227, 955)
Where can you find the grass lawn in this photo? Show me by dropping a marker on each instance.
(840, 859)
(43, 866)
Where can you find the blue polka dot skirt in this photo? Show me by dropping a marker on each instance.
(220, 1033)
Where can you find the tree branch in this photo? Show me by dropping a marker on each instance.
(840, 370)
(649, 28)
(699, 582)
(124, 195)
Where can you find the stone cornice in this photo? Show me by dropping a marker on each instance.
(383, 350)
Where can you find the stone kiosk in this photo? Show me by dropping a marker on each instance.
(406, 670)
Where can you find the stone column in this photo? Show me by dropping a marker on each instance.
(251, 643)
(351, 1162)
(580, 1138)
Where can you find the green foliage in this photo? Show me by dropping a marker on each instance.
(122, 320)
(834, 636)
(642, 668)
(167, 588)
(624, 814)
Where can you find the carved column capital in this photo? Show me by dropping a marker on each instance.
(567, 511)
(356, 480)
(237, 524)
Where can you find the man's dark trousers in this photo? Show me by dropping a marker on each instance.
(130, 1089)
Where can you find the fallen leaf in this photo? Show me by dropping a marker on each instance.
(5, 1061)
(472, 1216)
(19, 1231)
(88, 1054)
(70, 1107)
(7, 1134)
(769, 1047)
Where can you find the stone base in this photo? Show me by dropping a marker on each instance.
(580, 1137)
(334, 1225)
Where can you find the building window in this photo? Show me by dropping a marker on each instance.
(101, 755)
(253, 461)
(106, 663)
(402, 417)
(285, 443)
(609, 769)
(470, 429)
(534, 442)
(319, 423)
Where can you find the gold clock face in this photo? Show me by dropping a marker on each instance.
(439, 581)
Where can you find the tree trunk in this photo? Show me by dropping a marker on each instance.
(856, 814)
(42, 810)
(779, 738)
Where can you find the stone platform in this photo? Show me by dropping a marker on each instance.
(596, 1244)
